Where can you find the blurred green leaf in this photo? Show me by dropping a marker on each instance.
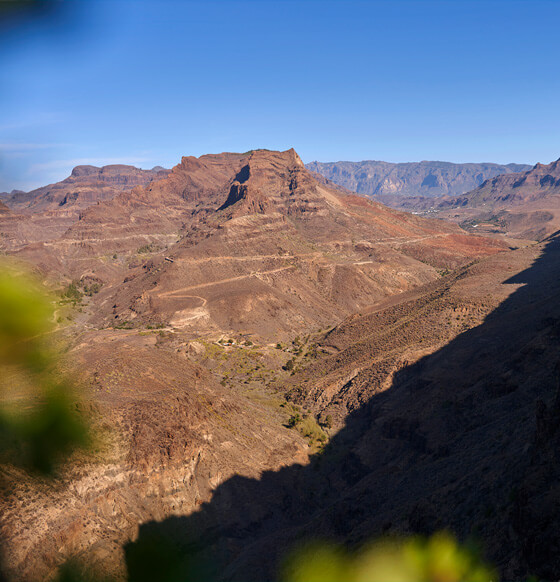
(436, 559)
(39, 425)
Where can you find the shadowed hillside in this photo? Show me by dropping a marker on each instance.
(464, 439)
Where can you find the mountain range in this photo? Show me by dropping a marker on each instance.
(249, 243)
(387, 182)
(525, 204)
(516, 200)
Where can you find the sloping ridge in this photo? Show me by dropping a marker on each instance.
(85, 186)
(525, 205)
(45, 214)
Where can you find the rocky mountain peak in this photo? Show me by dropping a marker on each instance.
(272, 181)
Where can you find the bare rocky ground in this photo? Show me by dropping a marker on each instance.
(167, 435)
(228, 310)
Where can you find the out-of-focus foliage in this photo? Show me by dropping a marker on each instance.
(38, 422)
(437, 559)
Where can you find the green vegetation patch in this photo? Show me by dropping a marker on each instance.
(306, 424)
(73, 293)
(144, 249)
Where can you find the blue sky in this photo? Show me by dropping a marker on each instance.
(145, 82)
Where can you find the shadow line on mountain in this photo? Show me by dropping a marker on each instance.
(451, 445)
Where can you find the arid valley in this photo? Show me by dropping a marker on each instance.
(266, 353)
(236, 344)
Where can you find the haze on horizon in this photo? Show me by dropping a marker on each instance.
(146, 82)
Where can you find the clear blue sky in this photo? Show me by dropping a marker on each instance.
(146, 82)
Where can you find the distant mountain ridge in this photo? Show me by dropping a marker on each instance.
(525, 204)
(538, 182)
(47, 212)
(86, 185)
(385, 181)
